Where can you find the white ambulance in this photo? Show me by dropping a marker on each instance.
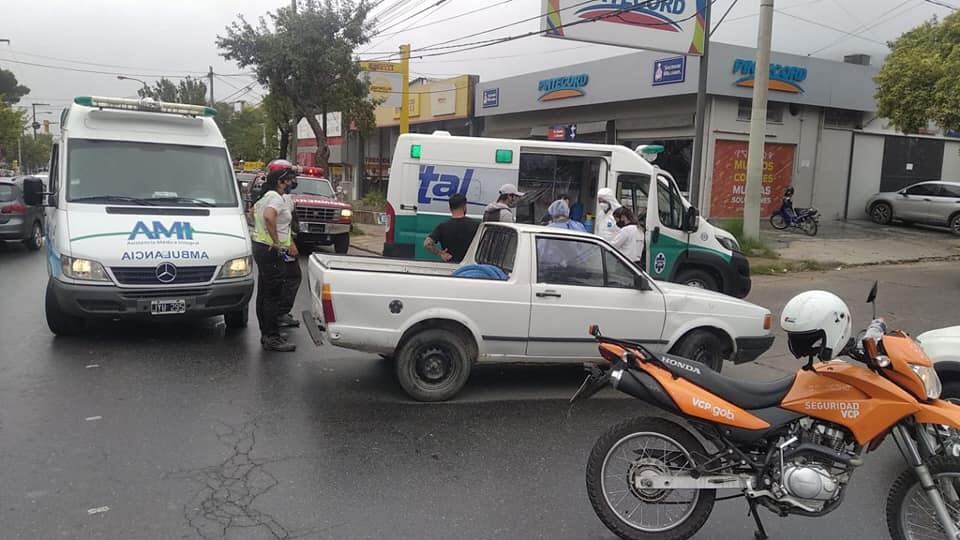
(144, 218)
(681, 246)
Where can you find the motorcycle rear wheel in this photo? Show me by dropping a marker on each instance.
(646, 446)
(910, 515)
(777, 222)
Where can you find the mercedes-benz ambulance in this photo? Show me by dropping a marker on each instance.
(144, 218)
(681, 246)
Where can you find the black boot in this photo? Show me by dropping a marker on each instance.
(277, 343)
(287, 321)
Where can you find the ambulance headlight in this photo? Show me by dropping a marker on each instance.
(236, 268)
(83, 269)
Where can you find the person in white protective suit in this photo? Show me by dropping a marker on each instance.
(607, 224)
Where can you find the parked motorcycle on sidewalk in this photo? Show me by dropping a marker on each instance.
(790, 445)
(805, 219)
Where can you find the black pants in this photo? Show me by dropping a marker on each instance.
(270, 277)
(291, 284)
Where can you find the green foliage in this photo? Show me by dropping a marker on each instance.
(306, 58)
(36, 152)
(12, 122)
(189, 90)
(10, 90)
(249, 133)
(374, 201)
(919, 79)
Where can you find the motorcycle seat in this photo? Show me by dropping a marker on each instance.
(744, 394)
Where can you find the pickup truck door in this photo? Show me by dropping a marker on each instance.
(578, 282)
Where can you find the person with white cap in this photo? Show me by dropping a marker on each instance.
(607, 224)
(501, 210)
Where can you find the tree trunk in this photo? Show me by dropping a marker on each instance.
(284, 149)
(323, 152)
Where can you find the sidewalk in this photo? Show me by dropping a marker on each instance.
(857, 243)
(371, 241)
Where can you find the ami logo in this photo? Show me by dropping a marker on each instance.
(434, 185)
(181, 230)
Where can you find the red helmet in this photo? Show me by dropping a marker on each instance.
(280, 169)
(279, 164)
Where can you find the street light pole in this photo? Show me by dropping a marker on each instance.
(35, 125)
(146, 88)
(758, 124)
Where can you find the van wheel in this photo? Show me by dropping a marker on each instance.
(433, 365)
(701, 279)
(35, 241)
(341, 243)
(237, 320)
(701, 346)
(59, 322)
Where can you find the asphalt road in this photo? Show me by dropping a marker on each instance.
(185, 431)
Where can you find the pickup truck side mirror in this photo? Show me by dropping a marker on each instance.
(641, 284)
(691, 220)
(33, 191)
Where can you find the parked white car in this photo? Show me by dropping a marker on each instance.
(555, 284)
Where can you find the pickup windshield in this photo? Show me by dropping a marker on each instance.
(313, 186)
(161, 174)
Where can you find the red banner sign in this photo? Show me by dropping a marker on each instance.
(730, 177)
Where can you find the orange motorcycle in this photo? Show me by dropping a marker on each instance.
(790, 445)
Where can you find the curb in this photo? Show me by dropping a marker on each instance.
(895, 262)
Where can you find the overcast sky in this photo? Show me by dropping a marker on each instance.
(148, 39)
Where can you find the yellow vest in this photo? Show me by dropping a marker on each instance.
(260, 233)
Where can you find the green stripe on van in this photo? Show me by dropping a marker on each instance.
(414, 230)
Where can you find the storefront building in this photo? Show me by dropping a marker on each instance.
(817, 109)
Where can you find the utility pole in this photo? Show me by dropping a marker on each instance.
(405, 89)
(210, 76)
(758, 124)
(700, 121)
(35, 124)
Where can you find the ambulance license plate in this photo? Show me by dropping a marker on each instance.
(168, 307)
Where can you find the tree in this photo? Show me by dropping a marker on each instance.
(281, 117)
(919, 78)
(10, 90)
(12, 122)
(305, 56)
(248, 132)
(189, 90)
(36, 152)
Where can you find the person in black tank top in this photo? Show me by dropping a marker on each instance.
(454, 235)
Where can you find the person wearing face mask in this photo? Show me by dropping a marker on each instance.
(629, 240)
(606, 227)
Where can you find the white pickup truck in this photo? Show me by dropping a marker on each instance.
(557, 282)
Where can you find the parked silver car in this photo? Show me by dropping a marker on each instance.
(19, 221)
(933, 203)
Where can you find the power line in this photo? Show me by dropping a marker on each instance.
(877, 22)
(484, 8)
(828, 27)
(85, 63)
(501, 57)
(438, 3)
(941, 4)
(725, 13)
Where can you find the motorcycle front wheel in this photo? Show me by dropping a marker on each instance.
(620, 460)
(809, 226)
(777, 222)
(910, 514)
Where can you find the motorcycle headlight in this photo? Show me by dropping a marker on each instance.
(729, 243)
(236, 268)
(83, 269)
(931, 381)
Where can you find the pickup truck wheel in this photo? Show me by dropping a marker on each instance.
(701, 346)
(341, 243)
(433, 365)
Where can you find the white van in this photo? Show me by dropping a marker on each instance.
(144, 219)
(680, 245)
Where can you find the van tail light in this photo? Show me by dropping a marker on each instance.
(390, 236)
(15, 208)
(326, 301)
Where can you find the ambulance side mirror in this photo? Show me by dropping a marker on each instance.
(691, 220)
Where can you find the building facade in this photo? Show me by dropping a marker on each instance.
(823, 136)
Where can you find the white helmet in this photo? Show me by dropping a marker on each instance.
(817, 324)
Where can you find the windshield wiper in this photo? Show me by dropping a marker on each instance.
(190, 200)
(112, 198)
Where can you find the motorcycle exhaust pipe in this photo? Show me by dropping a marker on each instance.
(643, 387)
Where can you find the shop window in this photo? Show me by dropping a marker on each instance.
(840, 118)
(774, 111)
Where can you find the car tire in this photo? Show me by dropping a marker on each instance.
(701, 346)
(237, 320)
(701, 279)
(955, 224)
(60, 323)
(433, 365)
(881, 213)
(341, 243)
(35, 241)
